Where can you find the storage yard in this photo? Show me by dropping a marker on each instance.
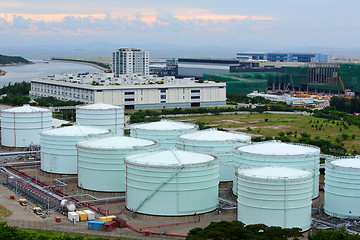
(169, 177)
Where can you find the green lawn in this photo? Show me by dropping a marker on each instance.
(292, 125)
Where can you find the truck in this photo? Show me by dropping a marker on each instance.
(38, 211)
(23, 202)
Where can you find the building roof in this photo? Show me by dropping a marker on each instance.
(274, 172)
(169, 157)
(75, 130)
(347, 163)
(216, 135)
(26, 108)
(278, 149)
(116, 142)
(164, 125)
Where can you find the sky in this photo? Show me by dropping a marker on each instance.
(236, 24)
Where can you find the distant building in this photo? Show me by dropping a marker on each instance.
(284, 57)
(131, 91)
(130, 61)
(195, 67)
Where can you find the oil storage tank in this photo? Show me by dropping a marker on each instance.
(342, 188)
(291, 155)
(274, 196)
(101, 161)
(164, 132)
(217, 143)
(101, 115)
(20, 126)
(58, 150)
(172, 183)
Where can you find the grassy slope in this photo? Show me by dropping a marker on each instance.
(280, 123)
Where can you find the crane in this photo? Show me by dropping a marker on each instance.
(347, 95)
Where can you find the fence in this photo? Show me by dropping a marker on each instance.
(67, 227)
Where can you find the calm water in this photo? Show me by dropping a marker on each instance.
(27, 72)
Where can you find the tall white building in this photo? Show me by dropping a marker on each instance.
(130, 61)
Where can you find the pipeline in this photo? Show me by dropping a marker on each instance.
(155, 233)
(139, 230)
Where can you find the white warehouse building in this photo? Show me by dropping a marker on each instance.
(140, 93)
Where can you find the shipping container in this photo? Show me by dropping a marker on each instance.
(109, 226)
(95, 225)
(121, 223)
(82, 215)
(90, 214)
(107, 218)
(73, 216)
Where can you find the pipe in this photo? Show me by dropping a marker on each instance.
(155, 233)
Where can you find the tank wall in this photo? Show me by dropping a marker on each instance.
(275, 203)
(223, 150)
(59, 154)
(189, 191)
(309, 163)
(22, 129)
(104, 170)
(105, 119)
(342, 192)
(166, 139)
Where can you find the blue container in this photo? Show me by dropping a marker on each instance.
(95, 225)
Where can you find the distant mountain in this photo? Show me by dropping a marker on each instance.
(12, 60)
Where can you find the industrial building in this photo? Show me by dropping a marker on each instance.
(132, 92)
(284, 57)
(327, 78)
(130, 61)
(196, 67)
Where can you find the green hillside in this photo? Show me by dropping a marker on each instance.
(12, 59)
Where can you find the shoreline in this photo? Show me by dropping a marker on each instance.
(79, 62)
(15, 64)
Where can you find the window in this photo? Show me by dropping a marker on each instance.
(195, 91)
(129, 99)
(129, 93)
(163, 96)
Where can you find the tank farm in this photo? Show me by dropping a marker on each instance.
(165, 178)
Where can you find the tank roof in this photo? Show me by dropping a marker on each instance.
(75, 130)
(117, 142)
(347, 162)
(26, 108)
(98, 106)
(169, 157)
(216, 135)
(274, 172)
(278, 149)
(164, 125)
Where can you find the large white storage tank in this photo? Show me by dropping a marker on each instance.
(299, 156)
(101, 161)
(164, 132)
(172, 183)
(342, 188)
(20, 126)
(58, 150)
(275, 196)
(217, 143)
(101, 115)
